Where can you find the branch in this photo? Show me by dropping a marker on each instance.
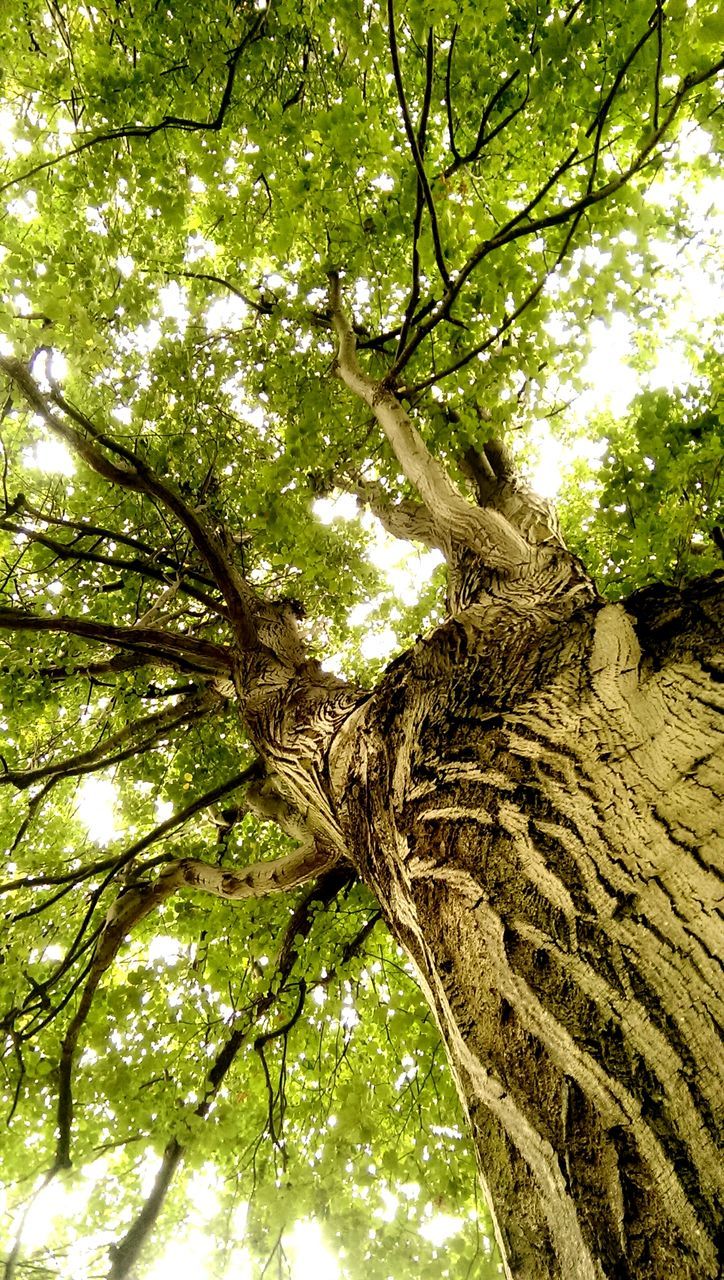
(92, 670)
(251, 774)
(138, 901)
(659, 22)
(484, 139)
(497, 484)
(183, 123)
(134, 474)
(406, 519)
(183, 653)
(255, 881)
(86, 530)
(136, 736)
(419, 202)
(448, 94)
(522, 225)
(265, 307)
(414, 145)
(485, 532)
(126, 1252)
(406, 392)
(67, 551)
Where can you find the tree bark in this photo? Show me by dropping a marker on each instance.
(533, 800)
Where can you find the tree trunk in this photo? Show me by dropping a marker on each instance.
(533, 801)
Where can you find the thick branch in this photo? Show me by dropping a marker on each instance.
(406, 519)
(138, 901)
(184, 653)
(255, 881)
(252, 774)
(486, 532)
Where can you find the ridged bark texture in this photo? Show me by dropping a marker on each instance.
(535, 804)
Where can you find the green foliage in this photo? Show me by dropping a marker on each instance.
(657, 494)
(179, 275)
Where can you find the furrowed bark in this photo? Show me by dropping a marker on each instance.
(535, 803)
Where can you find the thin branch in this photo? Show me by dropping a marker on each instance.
(517, 228)
(67, 551)
(414, 145)
(263, 308)
(136, 475)
(448, 93)
(86, 530)
(528, 300)
(137, 736)
(605, 106)
(601, 115)
(168, 122)
(126, 1252)
(420, 197)
(659, 21)
(484, 139)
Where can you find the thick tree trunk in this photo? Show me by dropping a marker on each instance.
(534, 803)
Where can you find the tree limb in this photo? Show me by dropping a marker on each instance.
(405, 519)
(420, 197)
(87, 530)
(126, 1252)
(182, 652)
(115, 863)
(137, 736)
(67, 551)
(139, 900)
(134, 474)
(486, 532)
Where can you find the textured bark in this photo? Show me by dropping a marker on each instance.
(533, 799)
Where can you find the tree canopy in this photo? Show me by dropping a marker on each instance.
(185, 191)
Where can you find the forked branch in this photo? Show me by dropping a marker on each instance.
(129, 471)
(454, 519)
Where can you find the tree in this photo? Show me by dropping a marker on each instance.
(257, 256)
